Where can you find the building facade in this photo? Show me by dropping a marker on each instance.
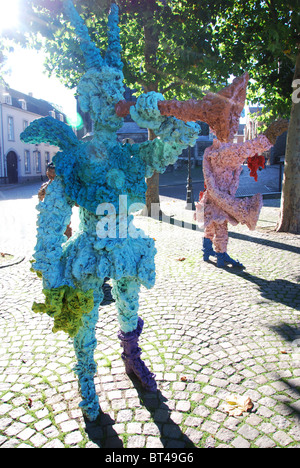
(252, 128)
(23, 162)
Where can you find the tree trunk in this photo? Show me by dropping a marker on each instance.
(152, 193)
(290, 197)
(151, 44)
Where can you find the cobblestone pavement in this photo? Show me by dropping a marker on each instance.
(208, 333)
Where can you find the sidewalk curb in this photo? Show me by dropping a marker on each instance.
(15, 261)
(265, 196)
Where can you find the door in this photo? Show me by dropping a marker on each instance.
(12, 167)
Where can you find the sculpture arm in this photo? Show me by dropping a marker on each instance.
(234, 154)
(54, 216)
(173, 135)
(224, 200)
(244, 211)
(250, 148)
(50, 130)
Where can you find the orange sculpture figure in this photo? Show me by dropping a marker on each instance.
(222, 167)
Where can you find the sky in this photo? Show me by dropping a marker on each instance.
(25, 69)
(25, 73)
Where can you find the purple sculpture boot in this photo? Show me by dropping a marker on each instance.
(132, 360)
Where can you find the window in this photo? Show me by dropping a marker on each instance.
(11, 131)
(47, 154)
(27, 161)
(38, 161)
(25, 124)
(23, 104)
(7, 98)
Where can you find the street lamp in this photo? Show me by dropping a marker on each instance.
(190, 204)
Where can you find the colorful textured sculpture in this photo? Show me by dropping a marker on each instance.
(97, 175)
(222, 166)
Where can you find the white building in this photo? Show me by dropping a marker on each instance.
(19, 161)
(252, 124)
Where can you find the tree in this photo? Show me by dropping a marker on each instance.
(290, 204)
(263, 38)
(166, 46)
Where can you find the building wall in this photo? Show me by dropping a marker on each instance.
(252, 124)
(31, 159)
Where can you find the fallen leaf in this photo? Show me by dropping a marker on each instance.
(283, 351)
(183, 379)
(29, 402)
(181, 259)
(236, 405)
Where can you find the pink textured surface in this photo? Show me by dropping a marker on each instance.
(221, 111)
(222, 166)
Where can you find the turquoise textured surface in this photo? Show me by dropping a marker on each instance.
(96, 175)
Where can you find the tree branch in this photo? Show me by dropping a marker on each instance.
(272, 8)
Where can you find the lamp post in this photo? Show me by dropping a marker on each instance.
(190, 204)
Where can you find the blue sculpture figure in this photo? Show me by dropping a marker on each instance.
(96, 175)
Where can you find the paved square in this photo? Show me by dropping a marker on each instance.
(208, 333)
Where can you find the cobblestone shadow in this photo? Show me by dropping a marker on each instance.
(102, 433)
(108, 299)
(265, 242)
(171, 435)
(279, 290)
(294, 390)
(291, 335)
(287, 332)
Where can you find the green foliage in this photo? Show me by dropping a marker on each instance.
(261, 37)
(166, 44)
(179, 47)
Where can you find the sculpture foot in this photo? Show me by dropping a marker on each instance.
(224, 259)
(141, 371)
(90, 403)
(207, 249)
(90, 410)
(131, 357)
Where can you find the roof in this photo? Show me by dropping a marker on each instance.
(131, 127)
(36, 106)
(253, 109)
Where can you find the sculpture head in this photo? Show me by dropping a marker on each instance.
(101, 87)
(98, 93)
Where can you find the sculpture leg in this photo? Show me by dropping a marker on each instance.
(207, 248)
(84, 344)
(220, 243)
(126, 292)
